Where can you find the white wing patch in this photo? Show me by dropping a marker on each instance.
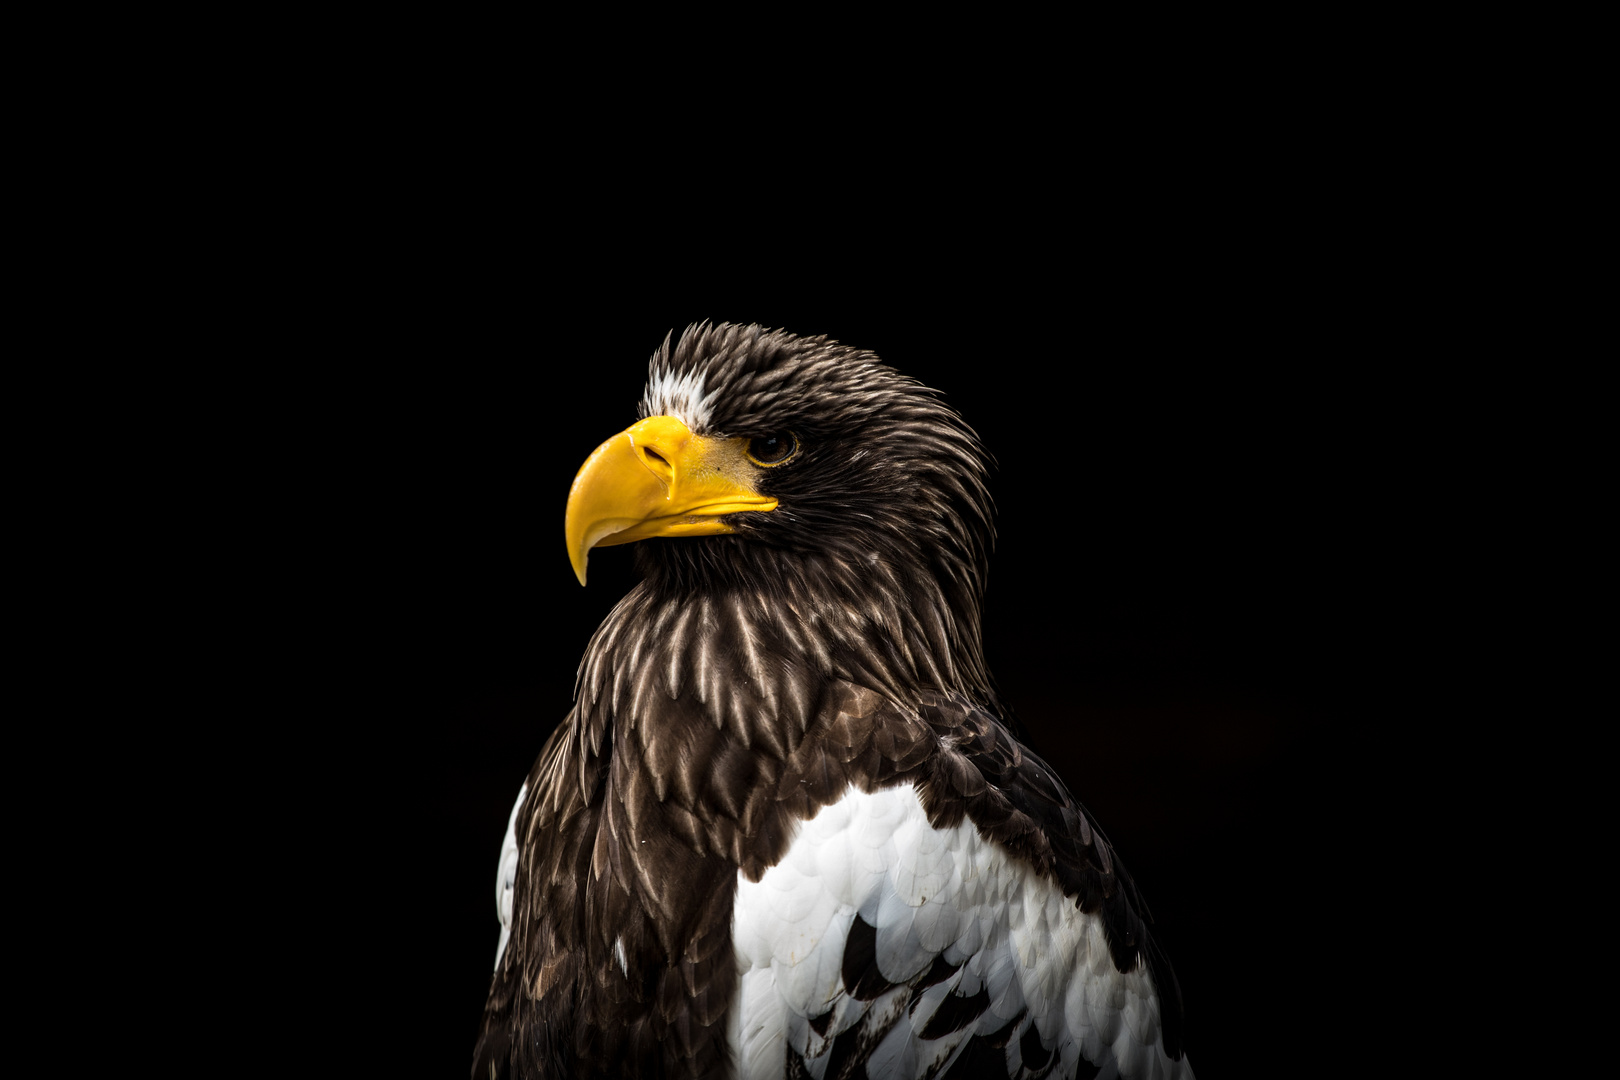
(680, 396)
(506, 877)
(929, 893)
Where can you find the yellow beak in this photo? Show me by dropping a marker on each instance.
(656, 478)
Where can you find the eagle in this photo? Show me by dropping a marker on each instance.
(787, 828)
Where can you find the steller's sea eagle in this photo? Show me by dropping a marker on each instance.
(785, 830)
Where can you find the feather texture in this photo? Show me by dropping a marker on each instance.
(785, 829)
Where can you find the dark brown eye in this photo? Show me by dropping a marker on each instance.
(773, 449)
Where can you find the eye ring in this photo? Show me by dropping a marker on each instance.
(772, 450)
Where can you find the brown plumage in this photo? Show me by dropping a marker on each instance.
(747, 682)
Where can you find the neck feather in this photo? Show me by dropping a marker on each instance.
(751, 633)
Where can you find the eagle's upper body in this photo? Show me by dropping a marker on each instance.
(785, 830)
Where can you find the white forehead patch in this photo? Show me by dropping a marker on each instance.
(680, 396)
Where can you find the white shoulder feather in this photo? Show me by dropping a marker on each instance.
(1023, 953)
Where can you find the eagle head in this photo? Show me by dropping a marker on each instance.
(805, 470)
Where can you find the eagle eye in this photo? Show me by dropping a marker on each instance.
(773, 449)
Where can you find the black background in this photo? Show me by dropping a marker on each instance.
(1189, 604)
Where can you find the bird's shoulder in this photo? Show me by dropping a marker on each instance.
(966, 763)
(946, 902)
(540, 960)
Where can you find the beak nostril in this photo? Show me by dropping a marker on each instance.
(658, 465)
